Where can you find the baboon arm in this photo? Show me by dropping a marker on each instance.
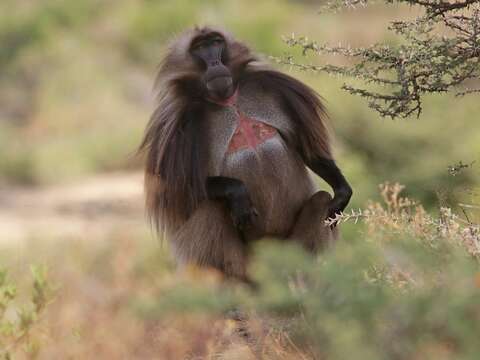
(234, 194)
(328, 171)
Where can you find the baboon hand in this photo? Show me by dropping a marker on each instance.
(243, 214)
(337, 205)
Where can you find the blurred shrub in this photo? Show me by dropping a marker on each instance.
(408, 289)
(155, 22)
(404, 285)
(417, 153)
(416, 156)
(263, 27)
(17, 321)
(31, 23)
(16, 158)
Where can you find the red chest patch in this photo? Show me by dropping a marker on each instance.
(249, 134)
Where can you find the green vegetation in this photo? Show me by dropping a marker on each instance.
(406, 286)
(403, 282)
(18, 321)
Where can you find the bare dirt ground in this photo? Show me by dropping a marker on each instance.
(90, 207)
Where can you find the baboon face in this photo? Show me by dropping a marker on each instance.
(209, 51)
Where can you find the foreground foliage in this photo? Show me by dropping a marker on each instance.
(17, 320)
(408, 288)
(406, 285)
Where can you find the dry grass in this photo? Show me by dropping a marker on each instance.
(95, 311)
(120, 298)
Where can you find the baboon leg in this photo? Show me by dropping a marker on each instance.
(209, 239)
(310, 229)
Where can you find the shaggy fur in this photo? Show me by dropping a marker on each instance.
(186, 139)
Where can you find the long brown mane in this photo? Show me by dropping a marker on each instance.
(174, 172)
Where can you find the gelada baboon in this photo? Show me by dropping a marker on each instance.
(227, 151)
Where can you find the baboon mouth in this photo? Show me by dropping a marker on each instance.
(221, 86)
(219, 83)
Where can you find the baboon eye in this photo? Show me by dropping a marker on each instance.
(199, 45)
(217, 40)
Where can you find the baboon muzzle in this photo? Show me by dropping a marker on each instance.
(218, 80)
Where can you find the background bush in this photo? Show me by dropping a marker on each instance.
(76, 86)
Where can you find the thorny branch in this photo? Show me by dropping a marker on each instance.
(428, 61)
